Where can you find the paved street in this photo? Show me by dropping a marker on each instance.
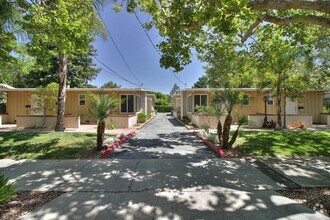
(161, 175)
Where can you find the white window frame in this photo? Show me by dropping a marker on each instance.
(121, 112)
(272, 100)
(138, 108)
(79, 99)
(189, 107)
(193, 101)
(249, 99)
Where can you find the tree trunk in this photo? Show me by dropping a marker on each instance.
(284, 111)
(100, 135)
(219, 132)
(278, 102)
(226, 131)
(61, 92)
(234, 137)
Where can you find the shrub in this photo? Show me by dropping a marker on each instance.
(206, 128)
(142, 118)
(111, 125)
(149, 115)
(7, 190)
(186, 119)
(213, 138)
(163, 108)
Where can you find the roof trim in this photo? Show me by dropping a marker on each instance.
(80, 89)
(240, 89)
(6, 86)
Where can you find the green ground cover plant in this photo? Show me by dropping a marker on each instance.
(45, 145)
(284, 143)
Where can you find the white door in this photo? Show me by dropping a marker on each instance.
(291, 107)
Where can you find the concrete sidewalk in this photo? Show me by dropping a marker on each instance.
(154, 189)
(306, 172)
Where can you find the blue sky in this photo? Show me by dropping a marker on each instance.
(139, 54)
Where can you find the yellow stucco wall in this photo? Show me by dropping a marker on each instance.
(17, 100)
(312, 103)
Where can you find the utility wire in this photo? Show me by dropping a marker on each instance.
(118, 50)
(154, 46)
(114, 73)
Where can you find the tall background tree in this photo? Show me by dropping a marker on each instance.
(110, 85)
(174, 89)
(202, 82)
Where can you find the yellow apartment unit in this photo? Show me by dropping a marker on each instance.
(310, 104)
(19, 102)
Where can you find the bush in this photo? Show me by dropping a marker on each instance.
(111, 125)
(163, 108)
(186, 120)
(142, 118)
(213, 138)
(7, 190)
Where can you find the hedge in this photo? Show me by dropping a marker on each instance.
(163, 108)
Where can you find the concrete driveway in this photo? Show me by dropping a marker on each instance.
(163, 137)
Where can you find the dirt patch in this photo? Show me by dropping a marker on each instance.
(90, 153)
(24, 202)
(317, 199)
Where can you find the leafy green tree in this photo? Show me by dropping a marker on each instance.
(202, 82)
(162, 99)
(80, 70)
(68, 27)
(100, 107)
(174, 89)
(191, 24)
(276, 57)
(110, 85)
(45, 99)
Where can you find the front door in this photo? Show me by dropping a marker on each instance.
(291, 107)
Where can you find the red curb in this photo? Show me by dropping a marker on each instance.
(117, 144)
(215, 148)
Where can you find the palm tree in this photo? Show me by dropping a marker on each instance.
(224, 103)
(100, 107)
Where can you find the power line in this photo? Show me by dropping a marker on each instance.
(114, 73)
(118, 50)
(154, 46)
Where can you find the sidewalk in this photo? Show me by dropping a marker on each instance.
(155, 189)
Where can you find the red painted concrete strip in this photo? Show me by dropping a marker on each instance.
(215, 148)
(117, 144)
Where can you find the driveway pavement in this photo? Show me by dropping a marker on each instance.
(163, 137)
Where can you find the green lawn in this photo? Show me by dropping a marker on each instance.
(284, 143)
(42, 145)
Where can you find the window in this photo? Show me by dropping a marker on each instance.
(270, 100)
(82, 99)
(189, 103)
(200, 100)
(127, 104)
(246, 99)
(138, 103)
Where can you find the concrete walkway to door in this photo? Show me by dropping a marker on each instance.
(163, 137)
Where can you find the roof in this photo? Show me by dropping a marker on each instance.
(239, 89)
(7, 89)
(2, 85)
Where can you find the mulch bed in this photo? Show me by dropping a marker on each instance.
(24, 202)
(317, 199)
